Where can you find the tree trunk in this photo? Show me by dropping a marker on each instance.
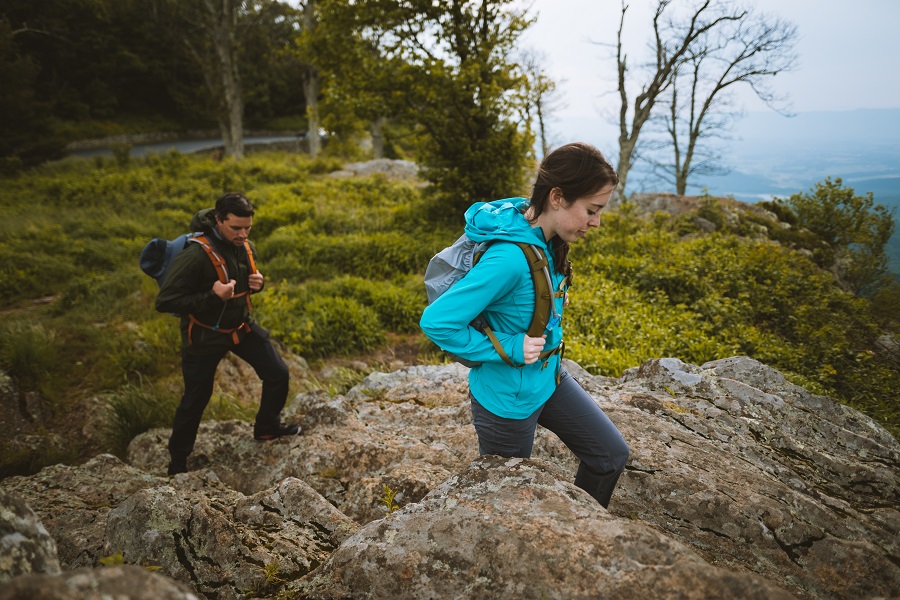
(311, 86)
(311, 91)
(231, 112)
(626, 148)
(377, 130)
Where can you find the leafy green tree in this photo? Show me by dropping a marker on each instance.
(854, 231)
(360, 89)
(452, 61)
(208, 32)
(272, 88)
(302, 54)
(22, 117)
(94, 67)
(61, 60)
(216, 38)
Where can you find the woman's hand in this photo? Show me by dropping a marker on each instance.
(532, 348)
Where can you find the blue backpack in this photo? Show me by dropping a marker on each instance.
(157, 255)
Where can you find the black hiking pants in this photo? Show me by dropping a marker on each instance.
(199, 370)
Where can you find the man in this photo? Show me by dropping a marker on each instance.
(215, 319)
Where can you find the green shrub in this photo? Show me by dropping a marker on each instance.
(325, 164)
(29, 351)
(322, 325)
(121, 154)
(398, 307)
(375, 256)
(133, 409)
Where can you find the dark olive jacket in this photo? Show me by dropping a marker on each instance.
(187, 288)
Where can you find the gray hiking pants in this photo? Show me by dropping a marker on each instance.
(576, 419)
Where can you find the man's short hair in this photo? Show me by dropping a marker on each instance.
(233, 204)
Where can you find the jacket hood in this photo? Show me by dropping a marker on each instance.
(501, 220)
(204, 220)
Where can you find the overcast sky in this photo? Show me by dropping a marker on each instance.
(849, 56)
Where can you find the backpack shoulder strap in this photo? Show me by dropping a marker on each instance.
(217, 260)
(543, 288)
(250, 258)
(543, 285)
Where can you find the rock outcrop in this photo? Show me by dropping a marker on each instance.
(512, 528)
(122, 582)
(740, 484)
(25, 545)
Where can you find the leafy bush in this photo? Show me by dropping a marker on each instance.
(131, 410)
(323, 326)
(377, 256)
(301, 315)
(344, 259)
(29, 351)
(700, 298)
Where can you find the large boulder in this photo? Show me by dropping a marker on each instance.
(408, 430)
(757, 473)
(25, 545)
(122, 582)
(73, 502)
(752, 472)
(512, 528)
(191, 527)
(223, 543)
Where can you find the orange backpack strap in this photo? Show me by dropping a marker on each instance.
(217, 260)
(219, 263)
(233, 332)
(250, 258)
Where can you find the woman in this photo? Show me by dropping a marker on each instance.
(574, 183)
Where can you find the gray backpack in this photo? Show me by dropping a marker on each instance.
(453, 262)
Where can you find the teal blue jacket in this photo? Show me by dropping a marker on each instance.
(500, 288)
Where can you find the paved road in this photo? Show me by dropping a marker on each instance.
(183, 146)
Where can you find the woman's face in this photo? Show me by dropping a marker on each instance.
(574, 220)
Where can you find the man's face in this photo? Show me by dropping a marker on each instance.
(234, 229)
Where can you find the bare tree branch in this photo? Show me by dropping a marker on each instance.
(696, 61)
(749, 51)
(671, 44)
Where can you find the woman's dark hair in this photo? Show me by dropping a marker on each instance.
(233, 204)
(578, 170)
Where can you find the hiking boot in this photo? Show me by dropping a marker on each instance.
(280, 431)
(176, 466)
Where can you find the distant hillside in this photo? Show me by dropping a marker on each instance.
(772, 155)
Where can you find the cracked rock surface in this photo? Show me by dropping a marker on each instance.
(740, 484)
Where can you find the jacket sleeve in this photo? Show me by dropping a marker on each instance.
(446, 321)
(187, 287)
